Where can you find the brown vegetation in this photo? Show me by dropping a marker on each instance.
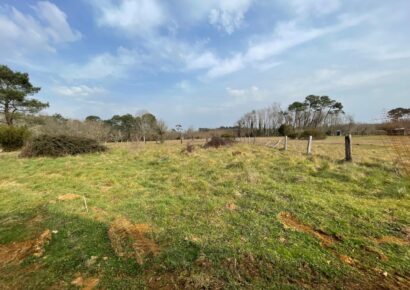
(129, 240)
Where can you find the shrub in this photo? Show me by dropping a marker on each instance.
(315, 133)
(227, 136)
(293, 135)
(218, 142)
(285, 130)
(46, 145)
(13, 138)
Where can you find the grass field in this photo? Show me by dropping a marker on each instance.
(245, 216)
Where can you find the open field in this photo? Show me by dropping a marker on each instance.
(244, 216)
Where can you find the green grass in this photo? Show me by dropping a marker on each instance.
(184, 198)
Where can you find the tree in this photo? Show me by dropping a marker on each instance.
(398, 113)
(178, 128)
(147, 124)
(161, 129)
(125, 124)
(14, 89)
(93, 118)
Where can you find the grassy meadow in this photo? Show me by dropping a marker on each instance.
(246, 216)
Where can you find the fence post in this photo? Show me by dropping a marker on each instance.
(286, 143)
(309, 147)
(348, 147)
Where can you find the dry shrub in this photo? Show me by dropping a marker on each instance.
(188, 149)
(62, 145)
(217, 142)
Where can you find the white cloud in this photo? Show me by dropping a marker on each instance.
(184, 85)
(104, 65)
(226, 66)
(314, 7)
(229, 15)
(58, 28)
(21, 33)
(241, 96)
(286, 36)
(201, 60)
(78, 91)
(137, 17)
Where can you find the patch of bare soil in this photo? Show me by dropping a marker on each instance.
(291, 222)
(182, 280)
(99, 214)
(392, 240)
(231, 206)
(69, 196)
(16, 252)
(85, 284)
(347, 260)
(129, 240)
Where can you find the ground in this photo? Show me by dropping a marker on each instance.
(247, 216)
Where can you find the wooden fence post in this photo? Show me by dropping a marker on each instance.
(286, 143)
(348, 147)
(309, 147)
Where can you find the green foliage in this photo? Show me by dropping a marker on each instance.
(285, 130)
(13, 138)
(227, 136)
(315, 133)
(214, 216)
(398, 113)
(14, 88)
(93, 118)
(55, 146)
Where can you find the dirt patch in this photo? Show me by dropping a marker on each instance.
(231, 206)
(377, 252)
(291, 222)
(85, 284)
(347, 260)
(129, 240)
(69, 196)
(392, 240)
(16, 252)
(99, 214)
(181, 280)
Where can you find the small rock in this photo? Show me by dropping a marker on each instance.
(385, 274)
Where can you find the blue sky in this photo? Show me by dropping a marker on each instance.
(205, 63)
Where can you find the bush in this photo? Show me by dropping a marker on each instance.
(227, 136)
(293, 135)
(218, 142)
(285, 130)
(315, 133)
(46, 145)
(13, 138)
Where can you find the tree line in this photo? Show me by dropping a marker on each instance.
(318, 112)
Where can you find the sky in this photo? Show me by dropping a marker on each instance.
(206, 63)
